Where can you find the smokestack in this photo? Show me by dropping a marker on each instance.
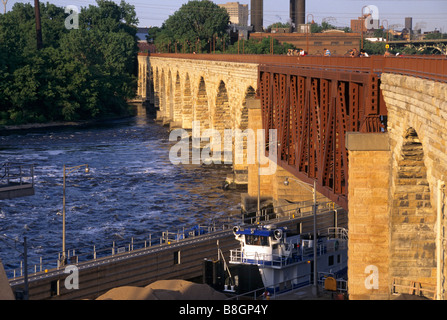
(38, 27)
(297, 13)
(257, 15)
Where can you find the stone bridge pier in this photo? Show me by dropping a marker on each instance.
(397, 177)
(397, 195)
(202, 93)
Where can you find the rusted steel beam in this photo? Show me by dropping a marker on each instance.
(312, 109)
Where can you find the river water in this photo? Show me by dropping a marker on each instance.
(131, 190)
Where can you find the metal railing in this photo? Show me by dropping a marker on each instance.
(16, 175)
(94, 252)
(290, 286)
(278, 288)
(432, 67)
(417, 288)
(303, 254)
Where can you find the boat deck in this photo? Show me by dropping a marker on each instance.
(306, 293)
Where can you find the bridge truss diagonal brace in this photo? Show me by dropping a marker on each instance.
(312, 112)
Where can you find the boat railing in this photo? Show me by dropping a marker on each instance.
(275, 260)
(292, 285)
(338, 233)
(258, 258)
(341, 283)
(264, 293)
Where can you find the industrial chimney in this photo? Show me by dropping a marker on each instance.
(257, 15)
(297, 13)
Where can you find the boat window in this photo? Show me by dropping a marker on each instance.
(256, 240)
(331, 260)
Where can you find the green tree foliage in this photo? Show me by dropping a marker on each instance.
(79, 74)
(435, 35)
(264, 46)
(317, 28)
(374, 48)
(199, 25)
(279, 25)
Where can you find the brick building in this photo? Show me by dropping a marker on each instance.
(338, 42)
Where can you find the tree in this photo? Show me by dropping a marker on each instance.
(376, 47)
(260, 47)
(279, 25)
(197, 25)
(82, 73)
(435, 35)
(316, 28)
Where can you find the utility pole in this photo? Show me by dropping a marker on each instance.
(25, 253)
(38, 27)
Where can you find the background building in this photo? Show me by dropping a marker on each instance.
(257, 15)
(297, 13)
(338, 42)
(238, 13)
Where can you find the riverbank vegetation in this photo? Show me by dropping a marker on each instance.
(82, 73)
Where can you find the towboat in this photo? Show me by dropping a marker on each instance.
(285, 260)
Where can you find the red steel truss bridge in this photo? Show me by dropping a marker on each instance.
(312, 101)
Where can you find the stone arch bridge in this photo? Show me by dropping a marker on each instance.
(372, 133)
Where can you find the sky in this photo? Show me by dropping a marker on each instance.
(427, 15)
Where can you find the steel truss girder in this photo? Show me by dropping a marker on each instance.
(312, 110)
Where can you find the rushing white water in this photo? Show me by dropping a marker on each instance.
(132, 189)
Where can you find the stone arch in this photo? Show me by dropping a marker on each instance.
(241, 122)
(250, 93)
(412, 245)
(170, 98)
(151, 84)
(187, 109)
(157, 89)
(201, 110)
(222, 118)
(162, 93)
(177, 99)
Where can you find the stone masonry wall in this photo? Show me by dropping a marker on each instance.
(368, 220)
(417, 126)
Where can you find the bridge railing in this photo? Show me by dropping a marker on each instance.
(433, 67)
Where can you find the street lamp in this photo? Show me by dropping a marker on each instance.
(363, 24)
(307, 30)
(314, 212)
(67, 170)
